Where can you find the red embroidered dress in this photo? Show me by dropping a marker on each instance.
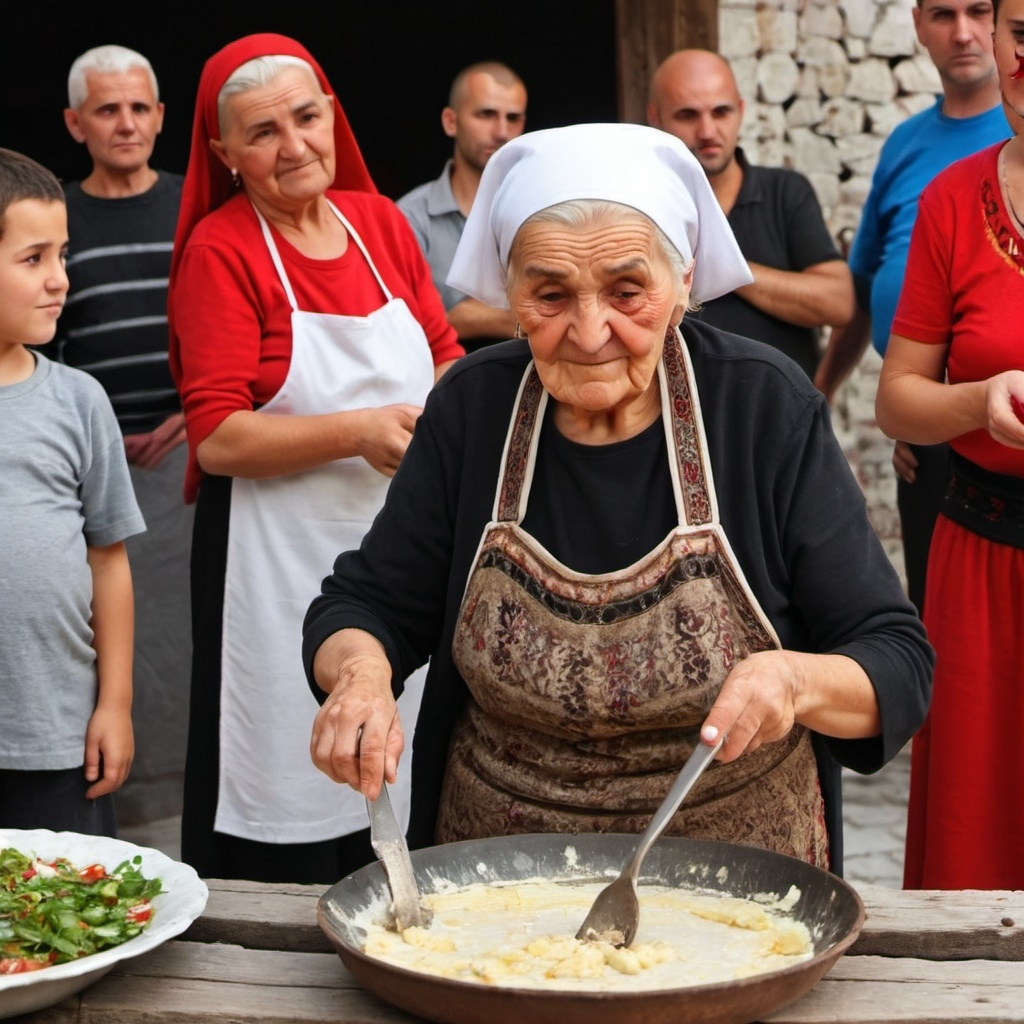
(964, 288)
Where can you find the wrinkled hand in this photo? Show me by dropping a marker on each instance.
(109, 750)
(148, 450)
(1003, 423)
(386, 435)
(757, 705)
(904, 462)
(357, 735)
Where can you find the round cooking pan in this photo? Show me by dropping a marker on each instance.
(832, 911)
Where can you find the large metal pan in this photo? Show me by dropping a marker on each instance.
(832, 911)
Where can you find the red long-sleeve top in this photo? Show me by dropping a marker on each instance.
(233, 343)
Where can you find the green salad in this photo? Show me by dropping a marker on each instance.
(52, 911)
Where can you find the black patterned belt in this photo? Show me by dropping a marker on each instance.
(986, 503)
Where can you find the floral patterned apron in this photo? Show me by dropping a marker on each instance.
(588, 691)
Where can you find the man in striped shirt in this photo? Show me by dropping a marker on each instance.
(121, 221)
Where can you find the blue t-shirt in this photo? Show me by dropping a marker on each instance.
(913, 154)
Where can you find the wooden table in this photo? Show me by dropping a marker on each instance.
(256, 954)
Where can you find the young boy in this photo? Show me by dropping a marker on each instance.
(66, 506)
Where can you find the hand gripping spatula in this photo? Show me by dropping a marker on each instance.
(389, 844)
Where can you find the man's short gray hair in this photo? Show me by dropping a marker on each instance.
(581, 213)
(254, 74)
(105, 59)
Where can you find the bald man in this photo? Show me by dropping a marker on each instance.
(486, 107)
(801, 282)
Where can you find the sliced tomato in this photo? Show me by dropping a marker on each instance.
(20, 964)
(29, 873)
(93, 873)
(140, 913)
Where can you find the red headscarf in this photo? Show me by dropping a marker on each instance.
(207, 181)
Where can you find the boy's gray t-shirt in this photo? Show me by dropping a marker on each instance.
(64, 484)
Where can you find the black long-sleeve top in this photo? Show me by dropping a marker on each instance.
(788, 502)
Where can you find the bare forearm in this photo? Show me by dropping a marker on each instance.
(834, 696)
(913, 403)
(927, 412)
(474, 319)
(338, 655)
(819, 295)
(258, 446)
(845, 349)
(113, 625)
(765, 695)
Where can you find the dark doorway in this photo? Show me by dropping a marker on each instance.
(390, 62)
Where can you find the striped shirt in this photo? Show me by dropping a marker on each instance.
(114, 324)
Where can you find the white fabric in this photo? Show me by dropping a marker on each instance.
(284, 535)
(645, 168)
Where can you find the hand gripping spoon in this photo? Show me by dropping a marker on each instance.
(389, 844)
(615, 914)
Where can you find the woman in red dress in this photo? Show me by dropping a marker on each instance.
(954, 371)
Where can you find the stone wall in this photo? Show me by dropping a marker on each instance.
(824, 82)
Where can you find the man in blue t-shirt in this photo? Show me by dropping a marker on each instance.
(967, 117)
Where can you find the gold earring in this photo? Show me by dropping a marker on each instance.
(518, 332)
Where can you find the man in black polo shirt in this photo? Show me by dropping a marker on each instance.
(121, 221)
(801, 282)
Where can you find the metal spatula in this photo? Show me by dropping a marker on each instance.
(389, 844)
(615, 914)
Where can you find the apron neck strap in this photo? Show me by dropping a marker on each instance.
(286, 284)
(689, 465)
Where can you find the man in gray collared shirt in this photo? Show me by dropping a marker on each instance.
(486, 108)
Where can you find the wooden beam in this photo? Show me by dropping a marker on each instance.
(647, 31)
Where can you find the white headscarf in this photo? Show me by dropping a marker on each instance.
(645, 168)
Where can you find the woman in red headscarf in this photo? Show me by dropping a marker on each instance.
(305, 335)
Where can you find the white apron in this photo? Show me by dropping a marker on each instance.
(284, 534)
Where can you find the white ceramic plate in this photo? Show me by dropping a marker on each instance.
(181, 902)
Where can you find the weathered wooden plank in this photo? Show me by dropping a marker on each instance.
(180, 982)
(962, 925)
(64, 1012)
(261, 916)
(911, 971)
(124, 1000)
(202, 961)
(179, 963)
(265, 888)
(880, 990)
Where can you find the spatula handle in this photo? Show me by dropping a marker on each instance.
(701, 757)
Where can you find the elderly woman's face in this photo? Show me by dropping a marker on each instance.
(280, 139)
(595, 303)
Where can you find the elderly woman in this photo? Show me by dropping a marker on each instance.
(621, 536)
(306, 334)
(954, 371)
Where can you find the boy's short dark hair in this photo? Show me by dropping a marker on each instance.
(22, 178)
